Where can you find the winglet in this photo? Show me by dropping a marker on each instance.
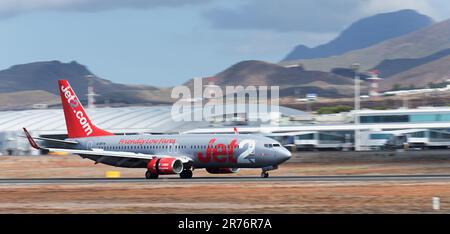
(236, 131)
(31, 140)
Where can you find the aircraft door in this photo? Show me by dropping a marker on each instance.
(89, 145)
(248, 152)
(173, 148)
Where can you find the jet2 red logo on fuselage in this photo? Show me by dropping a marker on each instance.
(218, 153)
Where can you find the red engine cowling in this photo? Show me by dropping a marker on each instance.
(222, 170)
(165, 166)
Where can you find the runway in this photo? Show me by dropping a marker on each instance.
(212, 180)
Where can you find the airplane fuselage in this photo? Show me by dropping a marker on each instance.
(205, 151)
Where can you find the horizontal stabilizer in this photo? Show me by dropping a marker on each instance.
(53, 140)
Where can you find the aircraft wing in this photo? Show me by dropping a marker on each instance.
(119, 154)
(104, 153)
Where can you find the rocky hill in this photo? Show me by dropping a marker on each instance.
(43, 76)
(391, 67)
(421, 76)
(364, 33)
(417, 44)
(293, 81)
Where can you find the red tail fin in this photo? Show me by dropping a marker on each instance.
(77, 122)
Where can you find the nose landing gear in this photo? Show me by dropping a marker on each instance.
(264, 174)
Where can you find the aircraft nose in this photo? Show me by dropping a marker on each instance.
(284, 155)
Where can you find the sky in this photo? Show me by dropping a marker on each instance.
(167, 42)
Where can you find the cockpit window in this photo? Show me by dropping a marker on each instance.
(276, 145)
(268, 145)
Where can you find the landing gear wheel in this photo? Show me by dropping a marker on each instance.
(149, 175)
(264, 174)
(186, 174)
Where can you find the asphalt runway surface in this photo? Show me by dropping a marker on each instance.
(210, 180)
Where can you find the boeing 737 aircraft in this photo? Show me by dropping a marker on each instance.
(162, 154)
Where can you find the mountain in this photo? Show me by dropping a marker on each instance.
(43, 76)
(26, 99)
(420, 43)
(22, 86)
(364, 33)
(420, 76)
(390, 67)
(293, 81)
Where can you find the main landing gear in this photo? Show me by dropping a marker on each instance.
(149, 175)
(186, 174)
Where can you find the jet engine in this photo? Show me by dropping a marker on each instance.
(222, 170)
(165, 166)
